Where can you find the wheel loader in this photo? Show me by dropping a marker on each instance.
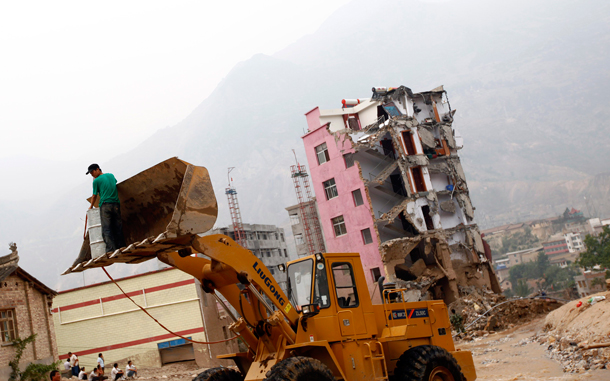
(324, 327)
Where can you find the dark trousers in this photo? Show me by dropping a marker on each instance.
(112, 226)
(75, 370)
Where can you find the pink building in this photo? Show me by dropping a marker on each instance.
(346, 218)
(389, 185)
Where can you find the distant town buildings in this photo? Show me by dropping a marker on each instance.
(295, 212)
(505, 263)
(25, 305)
(590, 282)
(266, 242)
(389, 185)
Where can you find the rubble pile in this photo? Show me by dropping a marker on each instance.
(578, 334)
(574, 356)
(504, 313)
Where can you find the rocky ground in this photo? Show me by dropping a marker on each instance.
(520, 354)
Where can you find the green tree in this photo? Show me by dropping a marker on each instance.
(598, 250)
(519, 241)
(522, 288)
(542, 263)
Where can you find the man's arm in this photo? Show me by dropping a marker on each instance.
(93, 200)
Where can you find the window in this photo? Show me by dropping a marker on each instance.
(8, 328)
(348, 158)
(285, 253)
(264, 235)
(173, 343)
(339, 226)
(418, 179)
(282, 236)
(426, 212)
(276, 236)
(322, 153)
(366, 236)
(347, 296)
(271, 271)
(376, 274)
(352, 121)
(268, 253)
(330, 188)
(407, 139)
(357, 196)
(298, 238)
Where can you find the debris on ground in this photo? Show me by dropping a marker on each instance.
(494, 312)
(180, 371)
(516, 354)
(578, 334)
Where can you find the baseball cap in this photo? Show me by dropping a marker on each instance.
(91, 168)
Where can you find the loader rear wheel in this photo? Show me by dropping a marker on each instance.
(299, 369)
(219, 374)
(427, 363)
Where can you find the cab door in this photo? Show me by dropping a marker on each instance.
(347, 299)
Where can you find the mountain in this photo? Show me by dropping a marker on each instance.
(528, 80)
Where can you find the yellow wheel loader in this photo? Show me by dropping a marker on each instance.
(324, 327)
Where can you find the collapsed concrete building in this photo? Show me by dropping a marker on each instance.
(390, 185)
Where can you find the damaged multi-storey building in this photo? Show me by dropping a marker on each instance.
(390, 185)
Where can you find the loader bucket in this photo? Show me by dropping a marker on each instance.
(161, 208)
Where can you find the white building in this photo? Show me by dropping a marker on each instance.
(575, 242)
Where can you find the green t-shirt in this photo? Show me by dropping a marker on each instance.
(105, 186)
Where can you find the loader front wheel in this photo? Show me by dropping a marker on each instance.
(219, 374)
(299, 369)
(427, 363)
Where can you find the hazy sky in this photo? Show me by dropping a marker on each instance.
(83, 81)
(88, 80)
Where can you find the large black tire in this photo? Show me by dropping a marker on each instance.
(427, 363)
(300, 369)
(219, 374)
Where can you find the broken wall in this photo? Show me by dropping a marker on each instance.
(417, 189)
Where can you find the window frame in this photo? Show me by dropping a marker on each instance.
(324, 151)
(329, 189)
(364, 238)
(350, 163)
(338, 224)
(298, 239)
(5, 333)
(354, 197)
(353, 285)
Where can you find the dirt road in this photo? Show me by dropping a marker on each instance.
(512, 355)
(507, 356)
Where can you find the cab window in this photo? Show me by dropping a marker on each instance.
(343, 275)
(321, 294)
(299, 282)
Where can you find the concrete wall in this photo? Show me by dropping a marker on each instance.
(99, 318)
(32, 313)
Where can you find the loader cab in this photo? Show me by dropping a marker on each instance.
(331, 289)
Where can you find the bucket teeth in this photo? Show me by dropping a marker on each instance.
(146, 242)
(160, 238)
(89, 262)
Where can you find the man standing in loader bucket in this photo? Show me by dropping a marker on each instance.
(104, 186)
